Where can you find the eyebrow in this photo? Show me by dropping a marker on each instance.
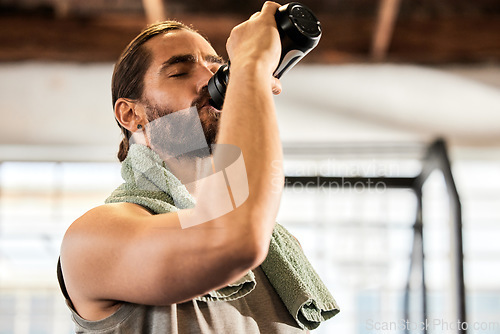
(189, 58)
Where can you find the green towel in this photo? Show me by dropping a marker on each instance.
(150, 184)
(296, 282)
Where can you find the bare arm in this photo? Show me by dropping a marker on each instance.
(249, 113)
(120, 252)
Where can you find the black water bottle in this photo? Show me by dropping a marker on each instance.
(299, 31)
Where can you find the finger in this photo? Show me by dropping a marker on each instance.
(276, 86)
(270, 7)
(254, 15)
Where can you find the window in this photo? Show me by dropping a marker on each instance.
(358, 238)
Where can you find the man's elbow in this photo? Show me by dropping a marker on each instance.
(260, 252)
(252, 244)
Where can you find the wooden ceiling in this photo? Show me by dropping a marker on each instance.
(401, 31)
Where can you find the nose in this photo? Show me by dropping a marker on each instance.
(207, 70)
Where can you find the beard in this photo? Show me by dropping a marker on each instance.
(209, 117)
(184, 132)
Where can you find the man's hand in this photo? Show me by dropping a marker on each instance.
(256, 42)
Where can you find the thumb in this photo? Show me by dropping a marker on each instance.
(276, 86)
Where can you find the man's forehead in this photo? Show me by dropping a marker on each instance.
(179, 42)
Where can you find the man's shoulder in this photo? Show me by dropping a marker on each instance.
(111, 210)
(110, 218)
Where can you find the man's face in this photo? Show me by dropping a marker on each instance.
(182, 63)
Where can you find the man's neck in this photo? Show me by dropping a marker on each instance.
(189, 170)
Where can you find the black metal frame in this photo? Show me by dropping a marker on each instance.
(436, 158)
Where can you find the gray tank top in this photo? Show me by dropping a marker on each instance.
(261, 311)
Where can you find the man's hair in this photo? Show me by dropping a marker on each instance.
(128, 75)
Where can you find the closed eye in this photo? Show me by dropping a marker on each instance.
(177, 75)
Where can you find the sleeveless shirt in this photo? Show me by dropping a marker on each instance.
(260, 311)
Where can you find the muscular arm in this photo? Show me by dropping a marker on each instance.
(121, 253)
(249, 120)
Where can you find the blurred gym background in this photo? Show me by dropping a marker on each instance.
(391, 133)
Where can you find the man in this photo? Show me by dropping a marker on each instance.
(126, 269)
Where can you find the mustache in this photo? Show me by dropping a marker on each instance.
(202, 99)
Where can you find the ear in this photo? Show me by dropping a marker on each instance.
(128, 114)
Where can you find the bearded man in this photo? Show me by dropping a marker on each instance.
(132, 265)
